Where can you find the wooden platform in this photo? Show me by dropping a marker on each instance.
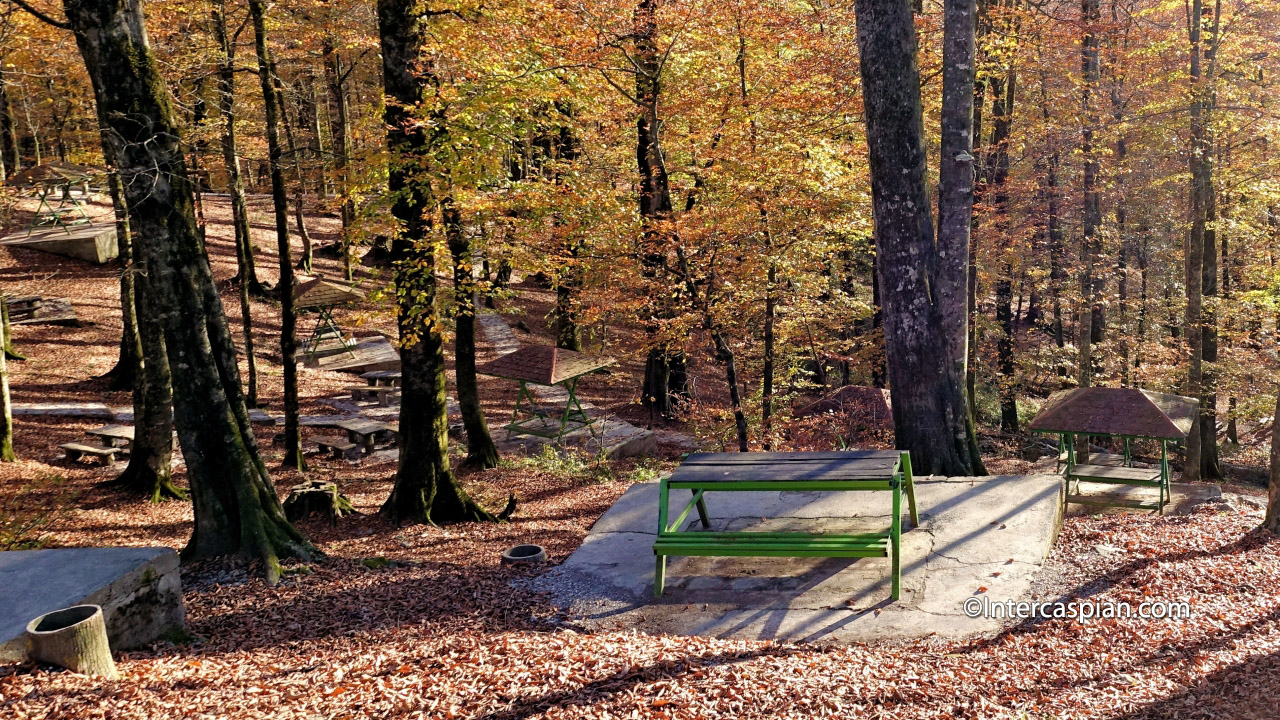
(370, 353)
(93, 242)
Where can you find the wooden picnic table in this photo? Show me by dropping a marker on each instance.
(858, 470)
(114, 435)
(382, 377)
(367, 433)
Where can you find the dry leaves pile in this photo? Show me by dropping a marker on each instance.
(441, 633)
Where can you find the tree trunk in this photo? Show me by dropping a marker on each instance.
(151, 452)
(1091, 222)
(481, 452)
(6, 409)
(997, 161)
(923, 343)
(337, 75)
(1272, 521)
(288, 317)
(8, 132)
(655, 209)
(236, 508)
(425, 490)
(124, 375)
(247, 269)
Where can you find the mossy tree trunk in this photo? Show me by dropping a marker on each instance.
(149, 472)
(425, 490)
(481, 452)
(236, 507)
(288, 316)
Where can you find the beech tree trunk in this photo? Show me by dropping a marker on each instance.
(923, 341)
(236, 508)
(151, 452)
(8, 132)
(1091, 221)
(6, 409)
(247, 269)
(337, 73)
(425, 490)
(655, 208)
(288, 316)
(125, 373)
(481, 452)
(1272, 520)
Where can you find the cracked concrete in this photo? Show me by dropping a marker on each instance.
(978, 536)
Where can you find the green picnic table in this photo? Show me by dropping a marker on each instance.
(549, 367)
(858, 470)
(1124, 414)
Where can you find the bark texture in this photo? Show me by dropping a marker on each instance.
(288, 316)
(481, 452)
(236, 508)
(425, 490)
(923, 341)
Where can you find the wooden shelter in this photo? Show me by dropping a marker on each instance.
(323, 296)
(548, 366)
(1123, 413)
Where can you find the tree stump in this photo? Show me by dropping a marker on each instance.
(316, 496)
(74, 638)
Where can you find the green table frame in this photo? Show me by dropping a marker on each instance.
(525, 416)
(54, 216)
(1111, 475)
(774, 471)
(326, 327)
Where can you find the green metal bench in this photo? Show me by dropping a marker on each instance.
(1126, 474)
(859, 470)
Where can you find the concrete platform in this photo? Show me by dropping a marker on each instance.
(93, 242)
(983, 532)
(139, 590)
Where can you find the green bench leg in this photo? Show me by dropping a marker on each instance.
(895, 534)
(659, 575)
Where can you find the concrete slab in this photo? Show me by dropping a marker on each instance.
(983, 532)
(139, 590)
(94, 242)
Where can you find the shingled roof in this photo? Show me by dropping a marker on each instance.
(1117, 411)
(54, 173)
(543, 365)
(320, 293)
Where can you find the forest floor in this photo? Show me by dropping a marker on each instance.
(439, 630)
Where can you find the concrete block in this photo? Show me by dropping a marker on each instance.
(139, 590)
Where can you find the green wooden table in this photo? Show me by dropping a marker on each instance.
(859, 470)
(549, 367)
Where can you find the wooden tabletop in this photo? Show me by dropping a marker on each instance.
(364, 427)
(787, 466)
(124, 432)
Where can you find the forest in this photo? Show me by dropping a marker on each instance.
(787, 226)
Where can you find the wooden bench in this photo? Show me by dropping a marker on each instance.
(1112, 475)
(75, 451)
(859, 470)
(381, 393)
(338, 447)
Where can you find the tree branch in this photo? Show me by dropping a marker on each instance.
(41, 16)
